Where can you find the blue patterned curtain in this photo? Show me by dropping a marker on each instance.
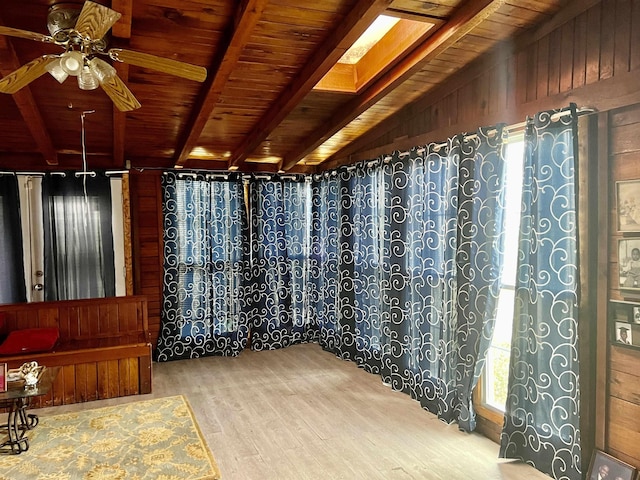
(359, 268)
(281, 241)
(206, 274)
(346, 242)
(12, 286)
(442, 261)
(543, 405)
(324, 258)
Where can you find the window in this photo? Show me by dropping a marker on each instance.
(494, 391)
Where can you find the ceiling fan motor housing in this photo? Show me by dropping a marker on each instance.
(61, 19)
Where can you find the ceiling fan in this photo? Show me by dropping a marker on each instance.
(81, 33)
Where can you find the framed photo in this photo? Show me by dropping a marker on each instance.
(624, 319)
(629, 263)
(605, 467)
(628, 205)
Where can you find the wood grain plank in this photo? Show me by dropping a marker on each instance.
(113, 385)
(566, 56)
(92, 381)
(554, 62)
(68, 372)
(103, 379)
(622, 34)
(635, 36)
(542, 69)
(80, 382)
(607, 42)
(593, 44)
(580, 51)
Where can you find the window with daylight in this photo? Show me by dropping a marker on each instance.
(494, 391)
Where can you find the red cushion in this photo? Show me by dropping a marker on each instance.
(30, 340)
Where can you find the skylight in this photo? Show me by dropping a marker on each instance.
(386, 40)
(372, 35)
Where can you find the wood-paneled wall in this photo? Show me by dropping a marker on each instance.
(146, 217)
(623, 373)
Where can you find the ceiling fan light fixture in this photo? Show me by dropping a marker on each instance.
(101, 69)
(87, 80)
(56, 71)
(72, 62)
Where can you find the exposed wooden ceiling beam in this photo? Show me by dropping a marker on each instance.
(463, 20)
(325, 57)
(122, 29)
(9, 62)
(249, 13)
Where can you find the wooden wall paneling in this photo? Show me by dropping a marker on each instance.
(146, 206)
(103, 379)
(634, 61)
(607, 37)
(624, 430)
(566, 56)
(580, 51)
(74, 322)
(124, 380)
(81, 382)
(92, 381)
(521, 76)
(622, 36)
(68, 372)
(113, 372)
(145, 381)
(542, 68)
(531, 78)
(625, 386)
(623, 413)
(592, 73)
(554, 63)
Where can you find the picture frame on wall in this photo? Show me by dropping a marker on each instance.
(604, 466)
(628, 205)
(629, 263)
(624, 319)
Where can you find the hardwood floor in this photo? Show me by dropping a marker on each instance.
(301, 413)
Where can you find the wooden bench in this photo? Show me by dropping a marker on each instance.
(103, 349)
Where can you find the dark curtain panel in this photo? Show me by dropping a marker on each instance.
(12, 286)
(443, 244)
(543, 405)
(359, 266)
(479, 259)
(206, 274)
(281, 244)
(420, 275)
(78, 237)
(324, 260)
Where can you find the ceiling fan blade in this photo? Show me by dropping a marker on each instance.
(95, 20)
(119, 94)
(161, 64)
(16, 32)
(26, 74)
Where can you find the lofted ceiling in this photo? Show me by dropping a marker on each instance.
(258, 109)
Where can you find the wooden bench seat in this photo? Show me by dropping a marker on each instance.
(103, 349)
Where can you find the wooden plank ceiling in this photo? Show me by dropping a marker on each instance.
(258, 109)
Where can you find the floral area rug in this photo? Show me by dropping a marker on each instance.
(153, 439)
